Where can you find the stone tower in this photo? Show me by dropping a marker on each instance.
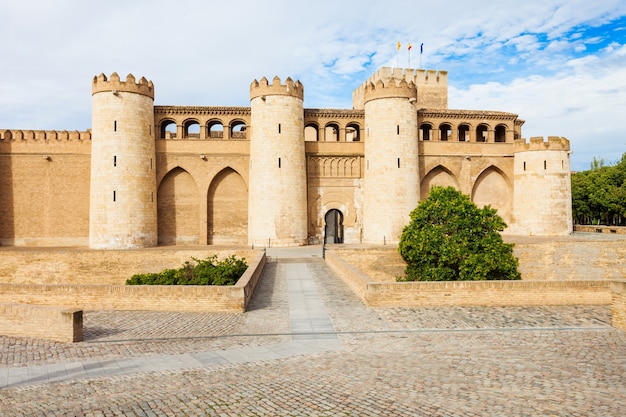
(542, 195)
(123, 209)
(391, 180)
(277, 213)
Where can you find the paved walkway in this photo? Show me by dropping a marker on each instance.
(308, 346)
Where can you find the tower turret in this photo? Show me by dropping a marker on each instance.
(277, 214)
(123, 209)
(391, 180)
(543, 191)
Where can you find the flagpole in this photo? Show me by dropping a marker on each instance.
(410, 46)
(398, 55)
(421, 51)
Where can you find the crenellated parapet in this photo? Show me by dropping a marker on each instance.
(263, 88)
(393, 88)
(36, 135)
(417, 76)
(431, 85)
(113, 84)
(554, 143)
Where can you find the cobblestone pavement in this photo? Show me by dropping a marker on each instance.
(534, 361)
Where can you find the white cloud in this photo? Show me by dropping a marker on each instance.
(585, 103)
(207, 53)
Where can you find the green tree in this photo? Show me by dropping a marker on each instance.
(599, 194)
(450, 239)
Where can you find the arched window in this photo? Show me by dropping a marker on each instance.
(353, 133)
(500, 133)
(445, 132)
(481, 133)
(215, 129)
(331, 133)
(191, 129)
(310, 133)
(464, 133)
(425, 129)
(237, 130)
(168, 129)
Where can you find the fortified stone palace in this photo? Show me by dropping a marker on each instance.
(274, 173)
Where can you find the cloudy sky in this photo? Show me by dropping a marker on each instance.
(559, 64)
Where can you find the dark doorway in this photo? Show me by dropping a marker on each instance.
(333, 231)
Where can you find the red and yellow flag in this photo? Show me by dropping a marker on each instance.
(410, 46)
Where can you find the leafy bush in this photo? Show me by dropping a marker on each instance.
(207, 271)
(451, 239)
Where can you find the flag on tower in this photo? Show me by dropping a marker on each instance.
(399, 45)
(421, 48)
(410, 46)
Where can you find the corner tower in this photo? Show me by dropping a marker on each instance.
(543, 190)
(277, 213)
(123, 210)
(391, 180)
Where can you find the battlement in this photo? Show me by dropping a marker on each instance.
(35, 135)
(113, 84)
(393, 88)
(554, 143)
(431, 85)
(416, 76)
(263, 88)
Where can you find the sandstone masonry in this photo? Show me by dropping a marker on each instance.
(275, 173)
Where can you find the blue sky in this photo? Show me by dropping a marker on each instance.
(559, 64)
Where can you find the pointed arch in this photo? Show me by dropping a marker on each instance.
(227, 209)
(492, 187)
(178, 208)
(438, 176)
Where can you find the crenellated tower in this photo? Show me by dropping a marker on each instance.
(391, 179)
(543, 191)
(277, 213)
(431, 86)
(123, 208)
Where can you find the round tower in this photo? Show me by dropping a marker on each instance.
(123, 210)
(391, 180)
(542, 189)
(277, 212)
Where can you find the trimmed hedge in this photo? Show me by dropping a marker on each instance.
(207, 271)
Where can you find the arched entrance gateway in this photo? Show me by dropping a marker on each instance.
(333, 230)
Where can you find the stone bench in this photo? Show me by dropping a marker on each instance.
(45, 322)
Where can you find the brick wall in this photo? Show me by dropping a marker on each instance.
(140, 297)
(55, 323)
(468, 293)
(600, 229)
(618, 304)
